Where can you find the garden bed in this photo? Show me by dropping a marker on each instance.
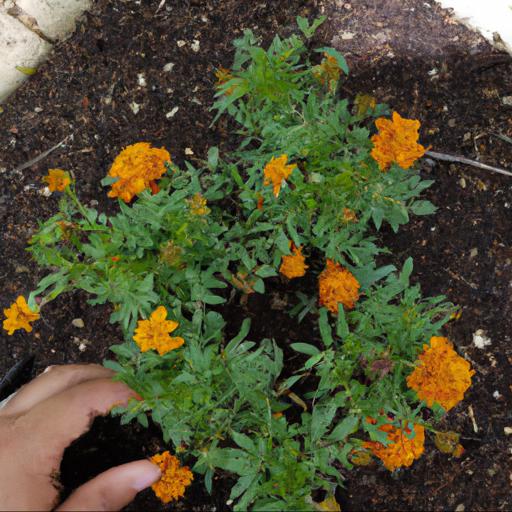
(88, 92)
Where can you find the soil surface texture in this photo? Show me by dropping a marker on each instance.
(136, 72)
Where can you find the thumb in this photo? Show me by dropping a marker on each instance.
(113, 489)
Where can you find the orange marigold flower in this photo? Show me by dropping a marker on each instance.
(19, 316)
(401, 449)
(174, 480)
(136, 167)
(293, 265)
(397, 141)
(441, 375)
(57, 180)
(276, 171)
(197, 204)
(223, 76)
(337, 285)
(154, 333)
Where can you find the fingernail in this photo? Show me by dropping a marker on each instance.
(47, 369)
(148, 476)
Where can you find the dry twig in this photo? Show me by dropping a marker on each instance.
(40, 157)
(473, 163)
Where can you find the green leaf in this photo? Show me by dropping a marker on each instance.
(342, 329)
(423, 208)
(244, 442)
(348, 426)
(213, 299)
(213, 158)
(26, 70)
(305, 348)
(325, 327)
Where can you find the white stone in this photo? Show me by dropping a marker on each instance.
(195, 45)
(188, 151)
(78, 322)
(497, 395)
(492, 18)
(55, 18)
(168, 67)
(480, 339)
(135, 107)
(172, 113)
(141, 80)
(507, 100)
(19, 46)
(181, 43)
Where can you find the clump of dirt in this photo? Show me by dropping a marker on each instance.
(132, 73)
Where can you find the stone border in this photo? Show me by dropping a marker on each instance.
(28, 31)
(492, 18)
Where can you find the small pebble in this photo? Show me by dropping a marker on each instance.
(181, 43)
(168, 67)
(473, 253)
(78, 322)
(45, 192)
(507, 100)
(497, 395)
(460, 507)
(188, 151)
(452, 123)
(195, 45)
(507, 430)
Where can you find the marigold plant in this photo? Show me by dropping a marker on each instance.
(328, 71)
(153, 334)
(293, 265)
(337, 286)
(19, 316)
(401, 449)
(223, 76)
(396, 142)
(276, 171)
(174, 480)
(137, 167)
(57, 180)
(441, 375)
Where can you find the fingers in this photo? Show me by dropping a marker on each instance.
(52, 381)
(113, 489)
(62, 418)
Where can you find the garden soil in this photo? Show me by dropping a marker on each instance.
(106, 87)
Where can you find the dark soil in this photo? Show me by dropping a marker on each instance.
(87, 91)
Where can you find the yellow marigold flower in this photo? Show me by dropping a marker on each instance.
(441, 375)
(19, 316)
(57, 180)
(137, 166)
(154, 333)
(293, 265)
(276, 171)
(174, 480)
(337, 285)
(197, 204)
(401, 450)
(329, 505)
(397, 141)
(223, 76)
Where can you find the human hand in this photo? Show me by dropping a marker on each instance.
(41, 420)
